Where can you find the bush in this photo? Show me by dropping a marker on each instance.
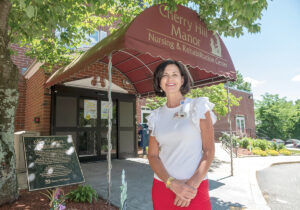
(225, 138)
(256, 151)
(273, 146)
(272, 152)
(244, 143)
(285, 152)
(280, 147)
(263, 153)
(83, 194)
(262, 144)
(259, 152)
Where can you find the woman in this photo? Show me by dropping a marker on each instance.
(181, 143)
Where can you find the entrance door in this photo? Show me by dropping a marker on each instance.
(104, 128)
(83, 114)
(87, 143)
(127, 136)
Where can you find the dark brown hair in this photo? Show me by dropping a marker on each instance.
(159, 71)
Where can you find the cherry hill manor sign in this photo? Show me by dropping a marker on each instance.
(153, 36)
(187, 37)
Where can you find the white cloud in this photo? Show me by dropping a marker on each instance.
(296, 78)
(254, 83)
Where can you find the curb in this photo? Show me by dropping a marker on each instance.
(281, 163)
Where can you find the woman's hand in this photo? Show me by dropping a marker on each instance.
(181, 202)
(192, 183)
(182, 190)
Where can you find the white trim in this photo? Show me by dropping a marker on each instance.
(239, 127)
(144, 110)
(32, 69)
(86, 83)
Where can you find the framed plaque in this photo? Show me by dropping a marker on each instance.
(51, 161)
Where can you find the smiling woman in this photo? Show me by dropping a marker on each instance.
(181, 143)
(175, 71)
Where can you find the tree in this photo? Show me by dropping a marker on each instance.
(240, 83)
(217, 94)
(53, 29)
(275, 117)
(296, 127)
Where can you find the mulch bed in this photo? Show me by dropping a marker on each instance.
(243, 152)
(35, 200)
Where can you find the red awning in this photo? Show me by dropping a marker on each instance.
(153, 36)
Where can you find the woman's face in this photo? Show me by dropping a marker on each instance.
(171, 80)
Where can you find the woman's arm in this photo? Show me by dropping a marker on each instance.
(154, 160)
(208, 147)
(179, 187)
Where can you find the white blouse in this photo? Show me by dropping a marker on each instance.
(179, 138)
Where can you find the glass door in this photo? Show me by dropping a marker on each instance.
(104, 128)
(87, 132)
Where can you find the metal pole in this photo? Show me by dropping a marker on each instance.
(109, 166)
(230, 129)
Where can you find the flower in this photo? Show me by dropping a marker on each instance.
(57, 193)
(61, 207)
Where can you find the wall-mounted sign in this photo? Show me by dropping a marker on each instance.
(51, 161)
(90, 109)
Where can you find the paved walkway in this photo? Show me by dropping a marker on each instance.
(240, 190)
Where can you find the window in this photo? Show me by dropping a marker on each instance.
(92, 39)
(145, 111)
(96, 37)
(240, 124)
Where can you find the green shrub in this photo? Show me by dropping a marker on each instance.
(272, 152)
(244, 143)
(263, 153)
(280, 147)
(256, 151)
(273, 146)
(226, 139)
(259, 152)
(285, 152)
(262, 144)
(83, 194)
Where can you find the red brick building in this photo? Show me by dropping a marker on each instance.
(242, 117)
(44, 110)
(73, 100)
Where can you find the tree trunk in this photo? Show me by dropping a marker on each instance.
(8, 102)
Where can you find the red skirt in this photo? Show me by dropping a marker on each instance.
(163, 198)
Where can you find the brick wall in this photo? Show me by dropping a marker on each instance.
(21, 61)
(100, 69)
(246, 109)
(38, 102)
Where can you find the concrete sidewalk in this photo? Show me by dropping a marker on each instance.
(240, 190)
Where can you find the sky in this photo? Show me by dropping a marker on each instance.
(270, 60)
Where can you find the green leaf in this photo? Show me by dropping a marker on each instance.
(22, 4)
(29, 11)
